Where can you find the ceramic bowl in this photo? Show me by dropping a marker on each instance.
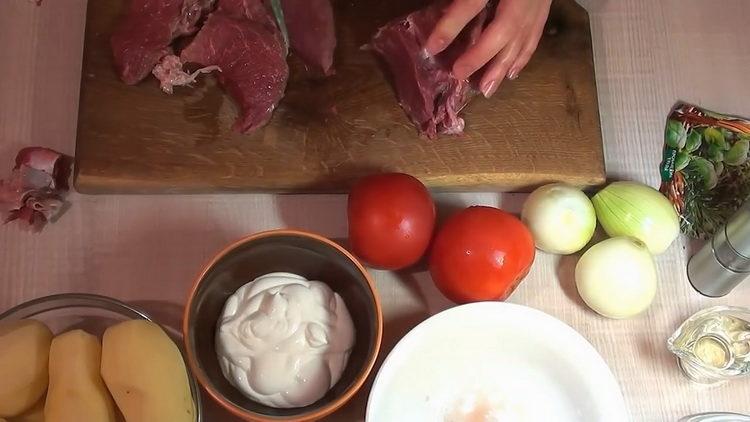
(494, 361)
(311, 256)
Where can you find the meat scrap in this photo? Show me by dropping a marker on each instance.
(170, 74)
(312, 33)
(425, 86)
(34, 192)
(242, 39)
(147, 30)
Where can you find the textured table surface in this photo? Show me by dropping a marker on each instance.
(146, 249)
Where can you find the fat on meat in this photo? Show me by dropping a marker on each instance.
(427, 90)
(312, 34)
(243, 41)
(170, 73)
(145, 34)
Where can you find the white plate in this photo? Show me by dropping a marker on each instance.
(494, 361)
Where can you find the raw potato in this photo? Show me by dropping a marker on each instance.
(145, 372)
(76, 390)
(24, 354)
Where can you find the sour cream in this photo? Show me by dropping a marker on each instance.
(284, 341)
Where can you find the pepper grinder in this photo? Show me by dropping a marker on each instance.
(724, 262)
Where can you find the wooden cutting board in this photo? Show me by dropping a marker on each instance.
(325, 134)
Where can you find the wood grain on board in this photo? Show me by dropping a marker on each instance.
(326, 133)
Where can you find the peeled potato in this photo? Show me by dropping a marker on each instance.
(76, 390)
(146, 374)
(24, 354)
(35, 414)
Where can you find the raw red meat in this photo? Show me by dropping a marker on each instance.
(312, 33)
(426, 88)
(34, 192)
(145, 34)
(253, 10)
(242, 39)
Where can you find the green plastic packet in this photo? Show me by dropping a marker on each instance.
(705, 170)
(278, 14)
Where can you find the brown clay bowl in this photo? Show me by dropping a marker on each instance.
(308, 255)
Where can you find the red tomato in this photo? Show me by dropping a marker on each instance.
(481, 253)
(391, 219)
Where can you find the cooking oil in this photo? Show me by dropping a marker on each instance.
(714, 344)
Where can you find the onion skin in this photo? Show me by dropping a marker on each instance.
(560, 217)
(617, 278)
(636, 210)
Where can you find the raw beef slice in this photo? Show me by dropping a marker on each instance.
(312, 33)
(250, 55)
(425, 86)
(147, 30)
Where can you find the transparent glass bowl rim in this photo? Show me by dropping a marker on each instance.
(56, 302)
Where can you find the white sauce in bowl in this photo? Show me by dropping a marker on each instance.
(284, 341)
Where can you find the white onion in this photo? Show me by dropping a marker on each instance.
(617, 277)
(560, 217)
(639, 211)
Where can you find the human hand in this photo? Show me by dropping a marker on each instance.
(506, 44)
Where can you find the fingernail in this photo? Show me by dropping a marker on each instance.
(461, 72)
(489, 88)
(434, 46)
(513, 74)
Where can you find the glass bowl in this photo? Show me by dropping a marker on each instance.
(92, 313)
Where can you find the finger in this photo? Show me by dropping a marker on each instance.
(530, 46)
(455, 18)
(498, 68)
(494, 38)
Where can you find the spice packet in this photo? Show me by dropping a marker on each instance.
(705, 170)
